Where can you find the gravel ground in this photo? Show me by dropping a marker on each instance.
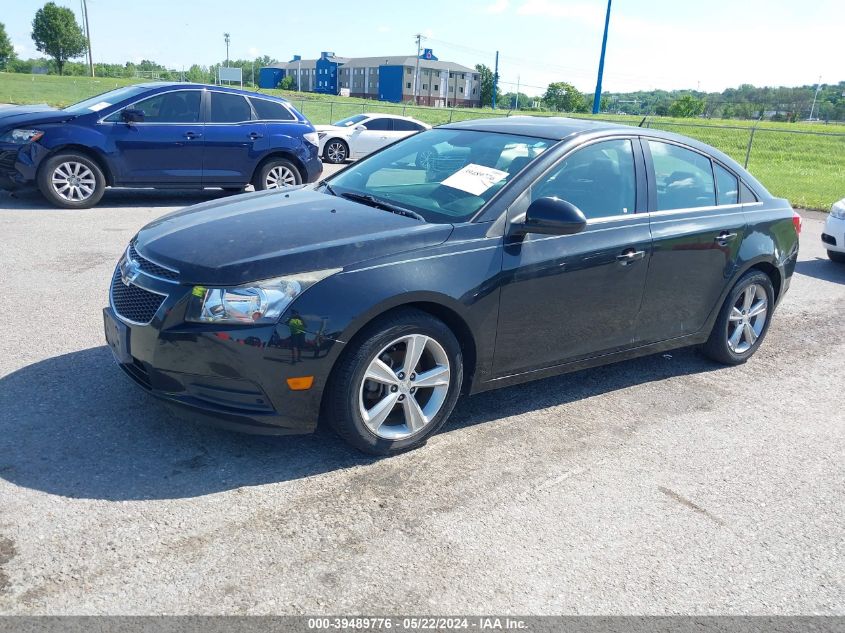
(662, 485)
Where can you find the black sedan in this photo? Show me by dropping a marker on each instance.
(469, 257)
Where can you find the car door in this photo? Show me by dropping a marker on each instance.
(235, 140)
(377, 133)
(166, 147)
(570, 297)
(697, 230)
(402, 128)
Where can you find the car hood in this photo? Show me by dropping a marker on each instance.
(17, 116)
(332, 128)
(268, 234)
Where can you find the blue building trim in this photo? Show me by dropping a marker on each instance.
(270, 77)
(326, 80)
(390, 80)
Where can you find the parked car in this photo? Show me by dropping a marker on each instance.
(834, 232)
(163, 135)
(375, 297)
(363, 134)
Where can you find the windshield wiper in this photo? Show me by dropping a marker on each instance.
(378, 203)
(325, 183)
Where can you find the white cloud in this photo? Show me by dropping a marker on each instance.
(498, 6)
(253, 52)
(383, 29)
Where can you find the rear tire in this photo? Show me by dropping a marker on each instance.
(336, 151)
(836, 256)
(371, 399)
(277, 173)
(71, 181)
(744, 320)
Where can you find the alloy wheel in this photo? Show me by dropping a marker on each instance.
(404, 387)
(278, 177)
(747, 319)
(73, 181)
(336, 152)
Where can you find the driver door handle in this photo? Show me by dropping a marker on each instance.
(192, 135)
(724, 237)
(628, 257)
(255, 136)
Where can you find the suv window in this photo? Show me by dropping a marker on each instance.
(182, 106)
(271, 110)
(401, 125)
(727, 186)
(684, 178)
(380, 125)
(229, 108)
(599, 179)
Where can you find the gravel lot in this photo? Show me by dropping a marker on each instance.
(663, 485)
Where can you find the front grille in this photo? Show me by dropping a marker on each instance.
(7, 160)
(151, 268)
(132, 302)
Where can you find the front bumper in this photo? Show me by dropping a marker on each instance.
(233, 376)
(833, 237)
(19, 164)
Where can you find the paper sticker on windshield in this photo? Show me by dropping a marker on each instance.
(475, 179)
(99, 106)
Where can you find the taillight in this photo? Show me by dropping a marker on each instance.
(797, 222)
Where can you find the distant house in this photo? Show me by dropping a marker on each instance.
(388, 78)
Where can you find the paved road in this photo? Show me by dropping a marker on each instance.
(663, 485)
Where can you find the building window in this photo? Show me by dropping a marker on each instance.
(462, 89)
(463, 76)
(407, 70)
(436, 87)
(474, 90)
(408, 85)
(425, 86)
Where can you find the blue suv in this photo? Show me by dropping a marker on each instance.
(161, 135)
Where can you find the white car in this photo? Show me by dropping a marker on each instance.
(362, 134)
(834, 232)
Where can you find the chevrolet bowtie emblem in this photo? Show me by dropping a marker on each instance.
(129, 271)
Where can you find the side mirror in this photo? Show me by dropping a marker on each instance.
(132, 115)
(360, 128)
(552, 216)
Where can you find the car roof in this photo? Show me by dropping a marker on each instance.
(560, 128)
(392, 116)
(187, 85)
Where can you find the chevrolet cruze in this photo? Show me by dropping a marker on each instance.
(519, 249)
(158, 135)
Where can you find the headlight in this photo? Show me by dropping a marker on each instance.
(838, 210)
(259, 303)
(313, 138)
(21, 137)
(322, 135)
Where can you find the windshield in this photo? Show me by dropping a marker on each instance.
(100, 102)
(444, 175)
(350, 121)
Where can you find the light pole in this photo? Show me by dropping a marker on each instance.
(417, 71)
(815, 96)
(226, 37)
(597, 97)
(88, 37)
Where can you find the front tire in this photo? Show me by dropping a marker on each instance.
(277, 173)
(336, 151)
(397, 386)
(836, 256)
(71, 181)
(744, 320)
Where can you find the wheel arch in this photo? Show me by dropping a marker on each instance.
(336, 138)
(286, 155)
(88, 152)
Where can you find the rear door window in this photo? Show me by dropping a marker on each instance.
(745, 194)
(727, 186)
(379, 125)
(684, 177)
(401, 125)
(229, 108)
(271, 110)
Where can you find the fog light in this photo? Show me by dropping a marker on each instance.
(302, 383)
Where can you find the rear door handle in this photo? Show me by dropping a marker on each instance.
(255, 136)
(628, 257)
(724, 237)
(192, 135)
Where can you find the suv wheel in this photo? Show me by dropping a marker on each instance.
(336, 151)
(72, 181)
(276, 174)
(398, 385)
(743, 321)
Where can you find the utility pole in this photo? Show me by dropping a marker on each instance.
(417, 72)
(815, 96)
(597, 97)
(496, 80)
(88, 36)
(299, 76)
(516, 107)
(226, 37)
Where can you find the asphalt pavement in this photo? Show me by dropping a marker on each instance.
(664, 485)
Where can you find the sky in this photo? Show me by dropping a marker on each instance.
(667, 44)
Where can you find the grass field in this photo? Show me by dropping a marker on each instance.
(808, 169)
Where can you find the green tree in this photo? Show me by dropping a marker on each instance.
(288, 83)
(197, 74)
(7, 51)
(686, 107)
(485, 76)
(55, 32)
(564, 97)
